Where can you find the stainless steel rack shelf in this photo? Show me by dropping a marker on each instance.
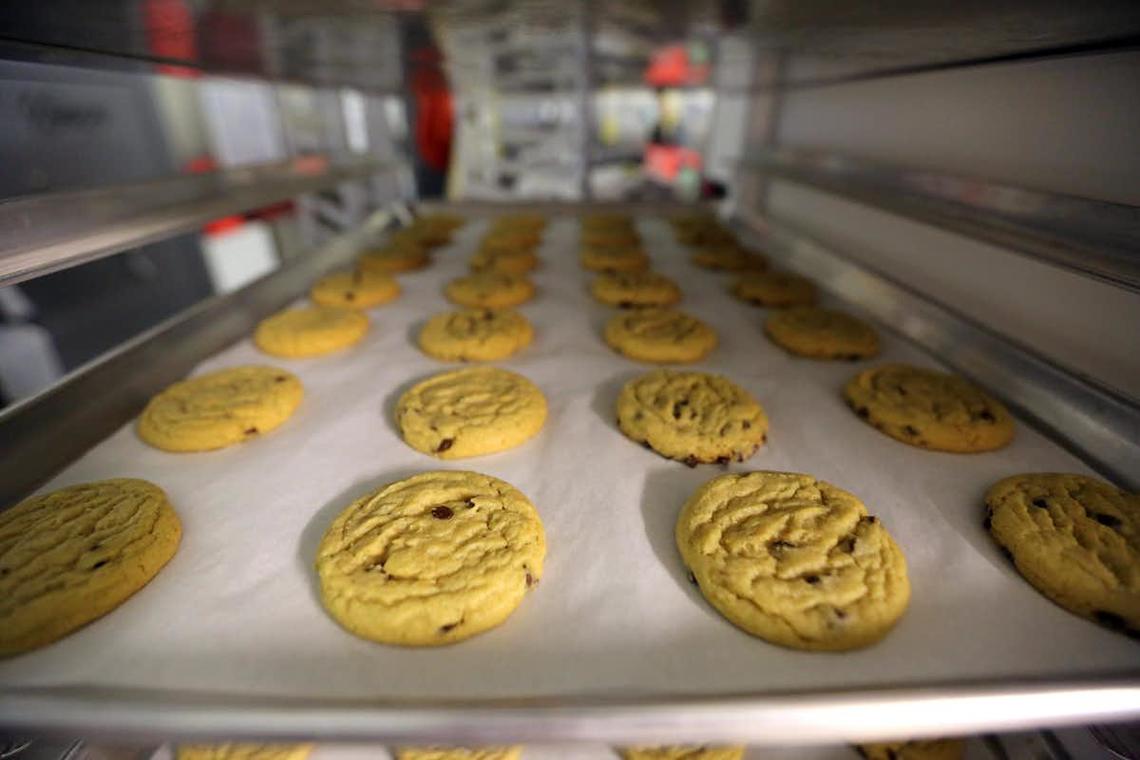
(46, 233)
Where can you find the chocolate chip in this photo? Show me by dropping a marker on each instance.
(625, 304)
(448, 627)
(349, 295)
(646, 445)
(764, 438)
(693, 580)
(3, 571)
(1110, 521)
(1006, 553)
(99, 564)
(251, 431)
(692, 461)
(812, 579)
(1039, 503)
(279, 379)
(723, 460)
(746, 425)
(847, 544)
(869, 519)
(987, 416)
(909, 430)
(989, 521)
(470, 503)
(778, 546)
(863, 412)
(442, 513)
(95, 546)
(852, 357)
(529, 580)
(1110, 619)
(638, 416)
(444, 445)
(677, 407)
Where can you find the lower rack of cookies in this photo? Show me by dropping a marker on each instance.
(565, 474)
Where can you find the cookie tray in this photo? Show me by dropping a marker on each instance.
(615, 645)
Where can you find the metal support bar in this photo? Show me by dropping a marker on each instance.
(37, 438)
(42, 234)
(1095, 238)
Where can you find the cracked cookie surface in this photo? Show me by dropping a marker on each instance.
(431, 560)
(663, 336)
(777, 290)
(1076, 539)
(822, 333)
(692, 417)
(354, 289)
(470, 412)
(682, 753)
(793, 560)
(310, 331)
(71, 556)
(475, 334)
(929, 409)
(490, 290)
(220, 408)
(628, 289)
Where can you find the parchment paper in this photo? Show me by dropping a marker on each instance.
(236, 610)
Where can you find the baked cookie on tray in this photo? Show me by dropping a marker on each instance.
(243, 751)
(510, 261)
(628, 289)
(793, 560)
(430, 560)
(918, 749)
(1076, 539)
(776, 290)
(492, 290)
(475, 335)
(354, 289)
(692, 417)
(394, 258)
(71, 556)
(459, 753)
(310, 331)
(731, 258)
(470, 412)
(929, 409)
(618, 258)
(822, 333)
(220, 408)
(682, 753)
(661, 336)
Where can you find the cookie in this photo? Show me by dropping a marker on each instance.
(662, 336)
(682, 753)
(354, 289)
(610, 237)
(920, 749)
(511, 240)
(692, 417)
(777, 290)
(394, 258)
(310, 331)
(628, 289)
(822, 333)
(929, 409)
(243, 751)
(431, 560)
(479, 335)
(509, 261)
(793, 560)
(492, 290)
(220, 408)
(470, 412)
(614, 259)
(1076, 539)
(730, 257)
(520, 221)
(459, 753)
(71, 556)
(711, 234)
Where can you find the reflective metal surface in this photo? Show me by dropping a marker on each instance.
(45, 233)
(1098, 425)
(797, 718)
(1092, 237)
(42, 434)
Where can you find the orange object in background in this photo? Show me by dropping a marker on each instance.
(665, 162)
(435, 115)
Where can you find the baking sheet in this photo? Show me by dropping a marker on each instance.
(236, 611)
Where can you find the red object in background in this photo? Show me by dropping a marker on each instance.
(434, 112)
(663, 162)
(170, 34)
(671, 66)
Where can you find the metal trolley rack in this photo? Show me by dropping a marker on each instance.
(350, 199)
